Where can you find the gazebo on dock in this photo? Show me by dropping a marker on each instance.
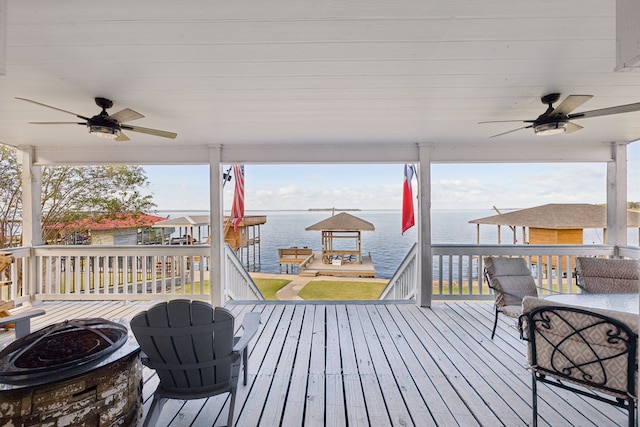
(342, 228)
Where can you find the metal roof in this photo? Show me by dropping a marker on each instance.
(558, 216)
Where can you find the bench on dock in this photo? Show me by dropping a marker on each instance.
(293, 256)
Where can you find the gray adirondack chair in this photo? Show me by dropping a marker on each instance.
(192, 347)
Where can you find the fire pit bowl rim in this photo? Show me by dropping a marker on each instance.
(14, 350)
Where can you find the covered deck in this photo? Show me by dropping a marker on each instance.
(370, 363)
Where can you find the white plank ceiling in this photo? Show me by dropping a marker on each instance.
(306, 73)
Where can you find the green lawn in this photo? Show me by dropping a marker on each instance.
(339, 290)
(269, 287)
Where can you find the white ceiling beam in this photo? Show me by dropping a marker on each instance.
(540, 152)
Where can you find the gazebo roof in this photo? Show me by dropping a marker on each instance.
(342, 222)
(558, 216)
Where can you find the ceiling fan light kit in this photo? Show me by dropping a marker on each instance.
(545, 129)
(104, 131)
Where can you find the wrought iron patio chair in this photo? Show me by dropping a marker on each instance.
(191, 346)
(511, 281)
(602, 275)
(582, 351)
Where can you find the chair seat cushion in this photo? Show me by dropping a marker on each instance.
(585, 350)
(511, 310)
(511, 279)
(600, 275)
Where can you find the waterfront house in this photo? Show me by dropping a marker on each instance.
(322, 82)
(122, 228)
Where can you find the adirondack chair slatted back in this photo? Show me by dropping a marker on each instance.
(189, 344)
(193, 349)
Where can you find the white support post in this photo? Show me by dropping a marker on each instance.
(31, 198)
(216, 269)
(424, 291)
(31, 212)
(617, 195)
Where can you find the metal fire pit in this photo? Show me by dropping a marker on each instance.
(79, 372)
(62, 347)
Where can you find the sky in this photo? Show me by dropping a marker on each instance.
(367, 187)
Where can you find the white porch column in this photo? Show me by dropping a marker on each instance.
(425, 275)
(617, 195)
(31, 198)
(216, 273)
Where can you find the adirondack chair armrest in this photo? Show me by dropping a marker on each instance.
(250, 325)
(22, 321)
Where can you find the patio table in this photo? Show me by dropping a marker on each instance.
(619, 302)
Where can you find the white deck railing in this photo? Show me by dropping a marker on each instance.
(165, 272)
(121, 273)
(239, 285)
(403, 283)
(457, 269)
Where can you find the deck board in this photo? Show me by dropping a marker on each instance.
(338, 364)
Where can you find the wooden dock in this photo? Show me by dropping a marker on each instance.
(318, 268)
(371, 364)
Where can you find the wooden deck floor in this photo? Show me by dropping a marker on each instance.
(372, 364)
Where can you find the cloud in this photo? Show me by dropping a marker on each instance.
(453, 186)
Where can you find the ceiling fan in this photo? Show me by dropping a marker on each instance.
(557, 120)
(107, 125)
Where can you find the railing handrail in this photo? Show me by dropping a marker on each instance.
(240, 285)
(67, 272)
(406, 272)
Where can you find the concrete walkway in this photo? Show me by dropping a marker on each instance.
(290, 291)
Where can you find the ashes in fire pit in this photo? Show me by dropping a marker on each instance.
(61, 346)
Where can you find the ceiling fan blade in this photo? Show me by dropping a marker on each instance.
(570, 103)
(55, 108)
(628, 108)
(572, 127)
(513, 130)
(507, 121)
(126, 115)
(122, 137)
(56, 123)
(154, 132)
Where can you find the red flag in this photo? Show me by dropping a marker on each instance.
(408, 220)
(237, 209)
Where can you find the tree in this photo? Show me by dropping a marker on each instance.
(70, 193)
(10, 196)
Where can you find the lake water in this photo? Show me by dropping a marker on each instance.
(386, 244)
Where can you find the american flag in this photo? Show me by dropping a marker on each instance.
(237, 210)
(408, 220)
